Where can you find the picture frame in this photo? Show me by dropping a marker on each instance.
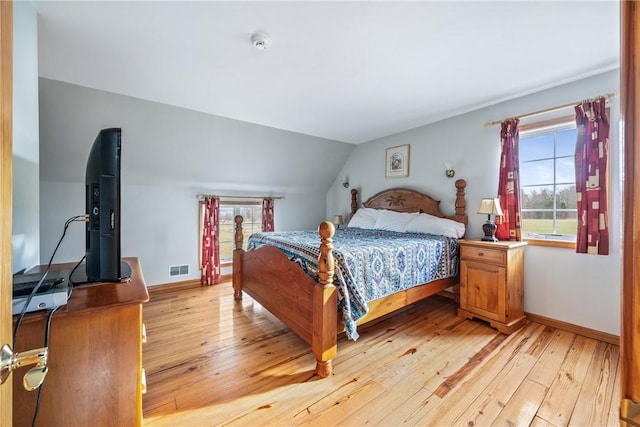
(397, 161)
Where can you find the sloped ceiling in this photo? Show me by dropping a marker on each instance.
(347, 71)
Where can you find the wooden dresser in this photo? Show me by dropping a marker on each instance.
(95, 357)
(492, 283)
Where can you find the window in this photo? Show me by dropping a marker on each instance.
(252, 214)
(547, 180)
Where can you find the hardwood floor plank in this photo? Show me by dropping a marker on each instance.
(213, 361)
(427, 368)
(446, 411)
(561, 399)
(594, 402)
(614, 407)
(452, 381)
(341, 409)
(539, 422)
(488, 405)
(540, 345)
(521, 409)
(552, 358)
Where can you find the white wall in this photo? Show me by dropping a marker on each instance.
(26, 209)
(169, 155)
(560, 284)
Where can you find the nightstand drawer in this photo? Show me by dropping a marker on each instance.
(483, 254)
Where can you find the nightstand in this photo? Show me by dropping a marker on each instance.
(492, 283)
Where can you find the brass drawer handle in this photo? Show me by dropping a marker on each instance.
(144, 334)
(143, 381)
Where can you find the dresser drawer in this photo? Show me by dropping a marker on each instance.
(483, 254)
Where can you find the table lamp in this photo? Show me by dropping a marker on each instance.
(337, 220)
(489, 207)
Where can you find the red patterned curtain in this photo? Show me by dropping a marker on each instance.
(508, 225)
(211, 242)
(267, 214)
(592, 154)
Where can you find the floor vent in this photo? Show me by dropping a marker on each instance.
(179, 270)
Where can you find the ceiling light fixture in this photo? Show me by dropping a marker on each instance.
(261, 41)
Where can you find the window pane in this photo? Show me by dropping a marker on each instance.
(566, 142)
(246, 212)
(539, 197)
(539, 172)
(537, 226)
(252, 222)
(567, 223)
(226, 231)
(536, 147)
(565, 170)
(226, 213)
(566, 197)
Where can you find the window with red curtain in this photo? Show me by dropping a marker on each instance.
(211, 242)
(508, 225)
(548, 181)
(267, 214)
(592, 154)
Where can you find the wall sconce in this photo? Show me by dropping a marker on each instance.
(338, 221)
(345, 182)
(448, 170)
(489, 207)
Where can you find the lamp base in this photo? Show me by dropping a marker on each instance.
(489, 229)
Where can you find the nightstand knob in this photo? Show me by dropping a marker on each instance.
(480, 253)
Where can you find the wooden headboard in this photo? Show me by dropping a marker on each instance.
(406, 200)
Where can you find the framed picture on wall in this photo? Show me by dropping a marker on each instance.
(397, 162)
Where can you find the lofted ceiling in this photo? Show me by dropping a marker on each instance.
(347, 71)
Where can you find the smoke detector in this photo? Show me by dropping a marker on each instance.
(261, 41)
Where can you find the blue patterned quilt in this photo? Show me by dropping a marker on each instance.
(370, 264)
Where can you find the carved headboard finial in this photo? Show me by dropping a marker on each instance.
(354, 201)
(461, 204)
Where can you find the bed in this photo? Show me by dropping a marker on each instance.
(308, 302)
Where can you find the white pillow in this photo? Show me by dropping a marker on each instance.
(364, 218)
(394, 221)
(425, 223)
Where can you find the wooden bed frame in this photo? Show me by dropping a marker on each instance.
(309, 308)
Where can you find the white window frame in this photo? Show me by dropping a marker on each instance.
(541, 128)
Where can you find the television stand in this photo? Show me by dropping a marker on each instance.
(79, 276)
(95, 357)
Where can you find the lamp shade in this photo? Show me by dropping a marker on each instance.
(490, 207)
(338, 220)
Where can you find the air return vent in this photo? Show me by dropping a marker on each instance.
(179, 270)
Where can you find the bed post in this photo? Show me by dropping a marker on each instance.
(325, 302)
(238, 253)
(354, 202)
(461, 203)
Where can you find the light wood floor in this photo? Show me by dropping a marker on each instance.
(211, 361)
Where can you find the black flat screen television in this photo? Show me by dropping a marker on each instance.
(102, 180)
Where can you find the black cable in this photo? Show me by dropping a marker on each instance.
(34, 291)
(71, 284)
(47, 330)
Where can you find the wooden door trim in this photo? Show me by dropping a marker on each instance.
(6, 188)
(630, 325)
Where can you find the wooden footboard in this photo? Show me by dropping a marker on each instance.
(310, 308)
(280, 286)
